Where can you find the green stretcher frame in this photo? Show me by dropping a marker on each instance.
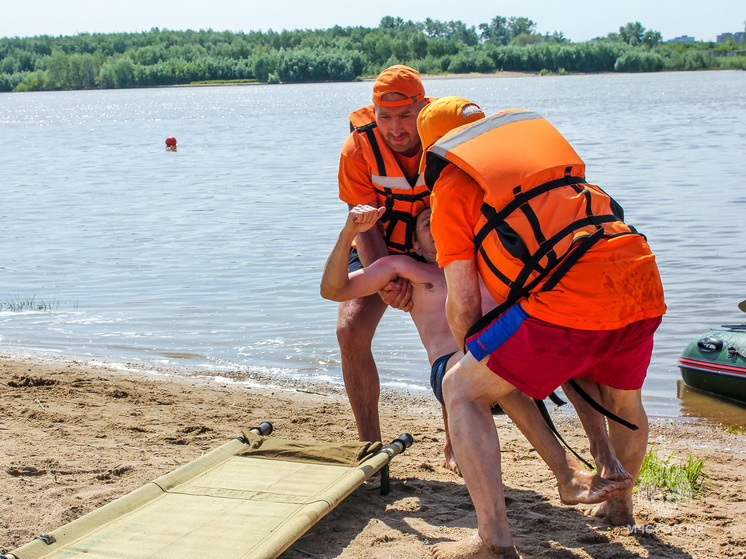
(252, 497)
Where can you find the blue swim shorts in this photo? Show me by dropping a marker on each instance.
(353, 263)
(437, 373)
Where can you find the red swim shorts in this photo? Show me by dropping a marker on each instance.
(537, 357)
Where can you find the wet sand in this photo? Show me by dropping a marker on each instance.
(76, 435)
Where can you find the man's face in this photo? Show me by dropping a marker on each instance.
(425, 242)
(398, 125)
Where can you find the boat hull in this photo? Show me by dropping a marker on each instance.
(715, 362)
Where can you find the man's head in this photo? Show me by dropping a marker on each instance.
(443, 115)
(398, 97)
(425, 244)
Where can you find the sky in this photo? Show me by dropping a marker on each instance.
(578, 20)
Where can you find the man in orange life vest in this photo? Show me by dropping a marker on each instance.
(379, 166)
(579, 293)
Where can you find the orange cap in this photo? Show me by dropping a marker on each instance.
(398, 79)
(441, 116)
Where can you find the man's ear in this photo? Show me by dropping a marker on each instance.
(416, 247)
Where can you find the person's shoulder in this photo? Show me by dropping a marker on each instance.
(454, 182)
(454, 176)
(351, 145)
(363, 116)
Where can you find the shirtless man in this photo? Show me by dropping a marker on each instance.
(575, 484)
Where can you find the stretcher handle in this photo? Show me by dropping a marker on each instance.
(397, 446)
(405, 440)
(264, 428)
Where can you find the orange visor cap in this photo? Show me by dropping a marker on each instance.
(441, 116)
(398, 79)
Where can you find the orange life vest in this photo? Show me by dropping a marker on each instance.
(402, 198)
(539, 216)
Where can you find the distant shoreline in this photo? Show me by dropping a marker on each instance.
(426, 77)
(501, 74)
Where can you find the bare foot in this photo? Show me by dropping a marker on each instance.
(450, 462)
(585, 487)
(611, 468)
(472, 548)
(616, 511)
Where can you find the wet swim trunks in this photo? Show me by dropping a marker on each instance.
(437, 373)
(353, 262)
(537, 357)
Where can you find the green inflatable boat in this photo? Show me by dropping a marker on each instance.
(715, 362)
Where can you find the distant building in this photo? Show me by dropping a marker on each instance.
(682, 39)
(736, 37)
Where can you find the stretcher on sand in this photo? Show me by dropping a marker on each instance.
(250, 498)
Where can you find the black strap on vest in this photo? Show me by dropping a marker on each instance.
(392, 217)
(520, 289)
(599, 408)
(548, 420)
(368, 131)
(497, 217)
(557, 401)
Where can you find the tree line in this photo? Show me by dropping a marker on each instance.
(163, 57)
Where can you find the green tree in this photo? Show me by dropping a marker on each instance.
(632, 33)
(496, 31)
(521, 26)
(524, 39)
(435, 29)
(652, 38)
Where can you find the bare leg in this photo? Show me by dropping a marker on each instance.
(470, 389)
(450, 458)
(594, 424)
(356, 326)
(575, 484)
(630, 447)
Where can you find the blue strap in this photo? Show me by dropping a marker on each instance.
(497, 334)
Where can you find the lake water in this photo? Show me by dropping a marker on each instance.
(210, 257)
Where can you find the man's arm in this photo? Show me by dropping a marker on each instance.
(355, 188)
(464, 301)
(339, 285)
(370, 244)
(370, 247)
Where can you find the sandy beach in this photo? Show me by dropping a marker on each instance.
(75, 435)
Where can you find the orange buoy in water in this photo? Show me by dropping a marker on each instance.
(171, 142)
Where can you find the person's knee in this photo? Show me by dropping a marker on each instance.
(469, 383)
(354, 335)
(357, 322)
(454, 389)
